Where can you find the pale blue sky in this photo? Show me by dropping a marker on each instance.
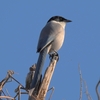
(20, 24)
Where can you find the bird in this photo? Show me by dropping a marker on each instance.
(30, 76)
(50, 40)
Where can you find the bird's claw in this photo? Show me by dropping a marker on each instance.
(54, 55)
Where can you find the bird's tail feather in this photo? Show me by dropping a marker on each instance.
(39, 67)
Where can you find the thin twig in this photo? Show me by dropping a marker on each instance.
(5, 80)
(7, 97)
(97, 92)
(19, 95)
(0, 94)
(86, 91)
(51, 92)
(7, 92)
(16, 81)
(80, 97)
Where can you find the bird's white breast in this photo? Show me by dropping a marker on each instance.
(59, 39)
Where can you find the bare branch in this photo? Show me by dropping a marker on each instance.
(47, 78)
(30, 76)
(42, 85)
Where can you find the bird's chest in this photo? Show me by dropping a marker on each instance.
(57, 43)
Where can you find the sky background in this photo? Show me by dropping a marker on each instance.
(20, 24)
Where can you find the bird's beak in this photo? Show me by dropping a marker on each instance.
(67, 20)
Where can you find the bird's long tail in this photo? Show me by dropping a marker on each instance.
(39, 67)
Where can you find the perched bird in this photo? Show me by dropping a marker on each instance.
(30, 76)
(50, 41)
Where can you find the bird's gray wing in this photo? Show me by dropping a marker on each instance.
(47, 36)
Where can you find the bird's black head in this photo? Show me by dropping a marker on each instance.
(58, 19)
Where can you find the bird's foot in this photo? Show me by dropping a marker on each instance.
(54, 55)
